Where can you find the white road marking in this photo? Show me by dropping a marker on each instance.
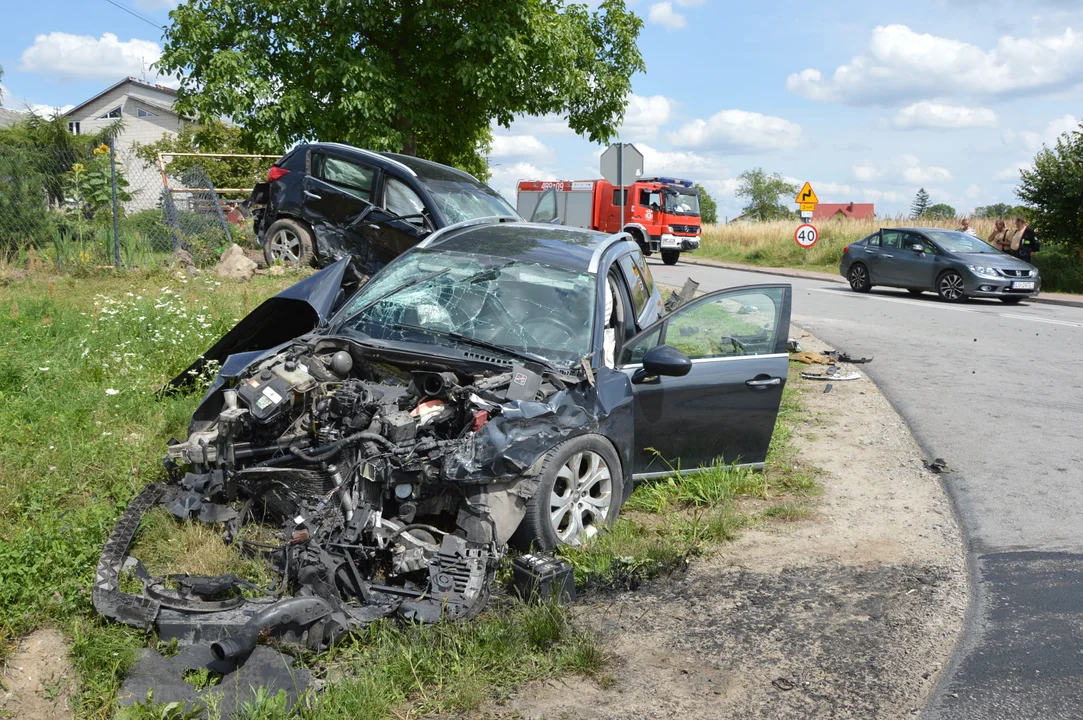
(1043, 320)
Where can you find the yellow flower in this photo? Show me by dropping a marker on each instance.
(104, 148)
(78, 167)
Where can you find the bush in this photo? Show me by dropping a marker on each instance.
(1060, 267)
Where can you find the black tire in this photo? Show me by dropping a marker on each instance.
(541, 527)
(670, 257)
(1011, 300)
(949, 286)
(914, 291)
(288, 242)
(859, 278)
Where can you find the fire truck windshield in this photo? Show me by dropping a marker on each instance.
(681, 203)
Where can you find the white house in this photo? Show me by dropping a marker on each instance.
(148, 113)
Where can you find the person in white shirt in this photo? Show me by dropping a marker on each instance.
(967, 229)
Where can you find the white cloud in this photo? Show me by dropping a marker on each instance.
(83, 56)
(9, 102)
(689, 164)
(505, 178)
(1032, 141)
(662, 13)
(691, 3)
(544, 125)
(901, 64)
(739, 131)
(926, 114)
(48, 110)
(518, 146)
(1012, 174)
(644, 116)
(906, 169)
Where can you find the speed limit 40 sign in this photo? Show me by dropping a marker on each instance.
(806, 235)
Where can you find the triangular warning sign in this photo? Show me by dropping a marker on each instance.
(807, 195)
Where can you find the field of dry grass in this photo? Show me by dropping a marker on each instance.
(771, 244)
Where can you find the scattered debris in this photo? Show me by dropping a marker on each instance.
(812, 358)
(843, 356)
(688, 291)
(783, 684)
(938, 466)
(829, 376)
(793, 346)
(827, 388)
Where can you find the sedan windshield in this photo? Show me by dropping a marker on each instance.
(470, 301)
(682, 203)
(460, 200)
(958, 242)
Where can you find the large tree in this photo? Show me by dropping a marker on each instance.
(762, 190)
(708, 208)
(422, 77)
(920, 205)
(1053, 188)
(940, 211)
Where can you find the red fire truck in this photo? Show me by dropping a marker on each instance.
(661, 214)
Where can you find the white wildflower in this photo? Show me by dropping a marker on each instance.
(111, 391)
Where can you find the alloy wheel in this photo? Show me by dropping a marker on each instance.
(581, 499)
(285, 246)
(859, 278)
(951, 286)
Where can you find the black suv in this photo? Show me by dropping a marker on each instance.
(323, 201)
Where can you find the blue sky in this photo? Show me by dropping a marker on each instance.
(867, 100)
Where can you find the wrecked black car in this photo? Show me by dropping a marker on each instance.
(323, 201)
(503, 383)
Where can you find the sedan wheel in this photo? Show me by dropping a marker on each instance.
(579, 494)
(950, 287)
(859, 278)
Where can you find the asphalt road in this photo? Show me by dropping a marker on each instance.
(997, 391)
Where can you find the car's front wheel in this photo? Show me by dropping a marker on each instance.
(859, 278)
(579, 494)
(950, 287)
(288, 241)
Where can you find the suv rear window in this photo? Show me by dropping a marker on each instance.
(344, 173)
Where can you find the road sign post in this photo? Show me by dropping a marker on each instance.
(806, 202)
(621, 164)
(806, 236)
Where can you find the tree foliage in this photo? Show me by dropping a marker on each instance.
(920, 205)
(999, 211)
(214, 136)
(762, 190)
(422, 77)
(940, 211)
(1053, 190)
(708, 208)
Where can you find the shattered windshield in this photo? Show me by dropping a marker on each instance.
(958, 242)
(681, 203)
(459, 200)
(457, 300)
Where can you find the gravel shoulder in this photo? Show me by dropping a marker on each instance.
(849, 614)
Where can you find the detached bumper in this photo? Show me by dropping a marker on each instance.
(980, 286)
(684, 243)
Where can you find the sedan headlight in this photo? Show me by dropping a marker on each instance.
(984, 271)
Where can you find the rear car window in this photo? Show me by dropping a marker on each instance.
(344, 173)
(636, 284)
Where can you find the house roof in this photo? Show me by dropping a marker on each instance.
(10, 117)
(854, 211)
(111, 88)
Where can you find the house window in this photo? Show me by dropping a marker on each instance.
(112, 114)
(73, 128)
(140, 112)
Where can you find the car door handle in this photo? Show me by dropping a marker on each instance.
(886, 255)
(764, 384)
(313, 195)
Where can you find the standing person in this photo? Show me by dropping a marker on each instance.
(967, 229)
(1024, 241)
(1001, 237)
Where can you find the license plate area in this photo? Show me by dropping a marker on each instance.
(1022, 285)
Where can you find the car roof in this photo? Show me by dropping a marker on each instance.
(415, 166)
(566, 247)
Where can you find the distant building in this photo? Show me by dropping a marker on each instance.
(10, 117)
(852, 211)
(148, 113)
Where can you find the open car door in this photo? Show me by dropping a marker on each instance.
(725, 407)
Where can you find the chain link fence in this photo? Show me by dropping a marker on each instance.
(112, 205)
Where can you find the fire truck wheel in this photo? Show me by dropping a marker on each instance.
(670, 257)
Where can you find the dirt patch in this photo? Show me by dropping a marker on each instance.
(849, 614)
(37, 679)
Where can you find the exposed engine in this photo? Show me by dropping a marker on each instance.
(368, 474)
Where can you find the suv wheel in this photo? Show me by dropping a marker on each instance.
(579, 494)
(289, 242)
(670, 257)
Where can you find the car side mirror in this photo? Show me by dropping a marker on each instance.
(917, 247)
(662, 360)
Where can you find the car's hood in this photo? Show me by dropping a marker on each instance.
(997, 260)
(291, 313)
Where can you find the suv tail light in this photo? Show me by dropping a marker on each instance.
(276, 172)
(845, 249)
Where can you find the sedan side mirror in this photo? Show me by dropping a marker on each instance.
(662, 360)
